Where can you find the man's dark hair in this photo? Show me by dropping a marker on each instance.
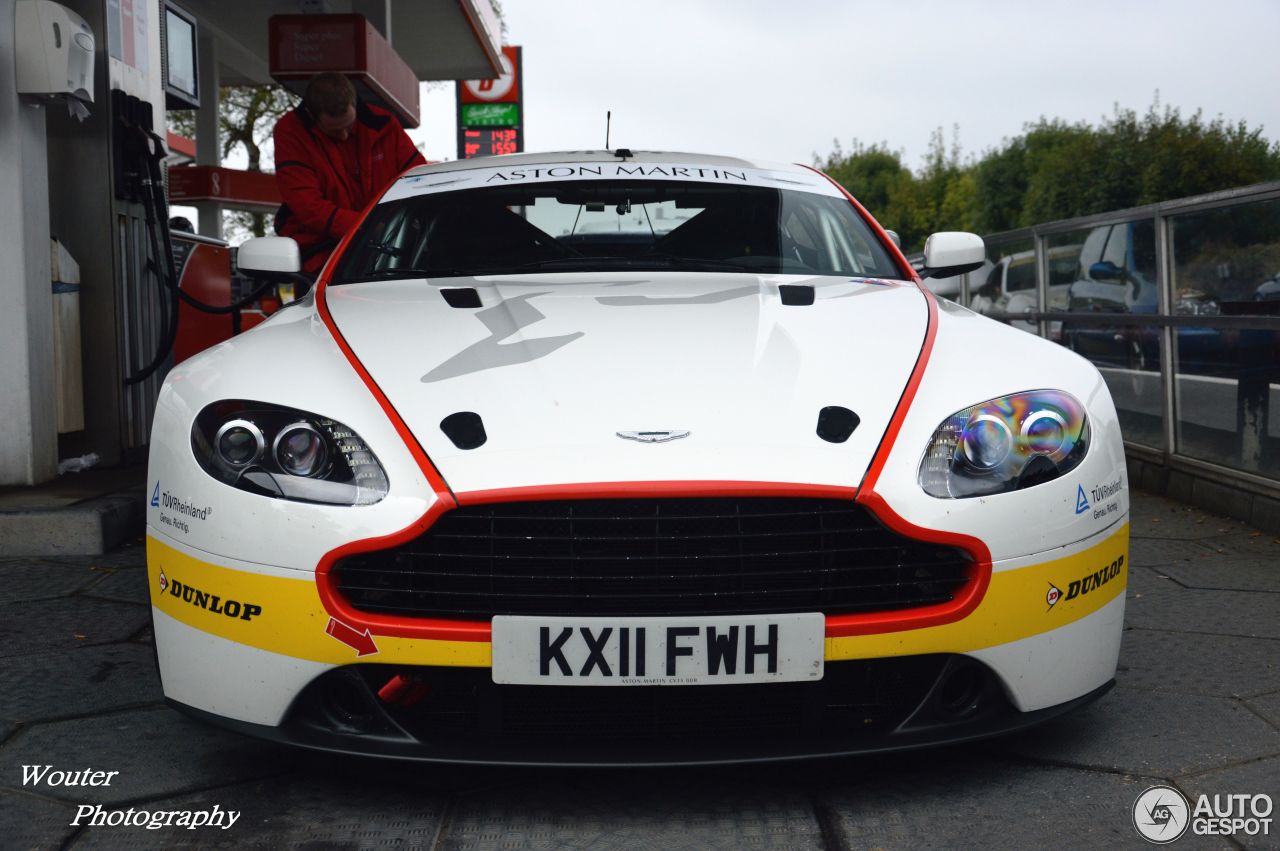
(329, 94)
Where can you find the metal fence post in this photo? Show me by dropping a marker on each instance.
(1168, 339)
(1042, 280)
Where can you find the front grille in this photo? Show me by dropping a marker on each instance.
(637, 557)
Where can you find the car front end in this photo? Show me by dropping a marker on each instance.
(643, 512)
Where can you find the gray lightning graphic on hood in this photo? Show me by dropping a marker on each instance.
(717, 297)
(506, 319)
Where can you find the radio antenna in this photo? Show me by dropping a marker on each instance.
(608, 119)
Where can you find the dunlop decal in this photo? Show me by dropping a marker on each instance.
(288, 617)
(209, 602)
(292, 621)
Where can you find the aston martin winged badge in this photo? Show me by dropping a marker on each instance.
(654, 436)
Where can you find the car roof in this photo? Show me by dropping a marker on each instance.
(553, 157)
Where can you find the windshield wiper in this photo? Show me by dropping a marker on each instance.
(570, 262)
(702, 263)
(405, 272)
(632, 261)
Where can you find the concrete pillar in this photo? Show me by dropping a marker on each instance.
(28, 424)
(208, 133)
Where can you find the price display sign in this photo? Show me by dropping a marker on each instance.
(488, 141)
(490, 112)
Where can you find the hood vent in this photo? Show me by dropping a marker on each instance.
(461, 297)
(464, 428)
(835, 424)
(796, 294)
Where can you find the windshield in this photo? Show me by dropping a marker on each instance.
(608, 225)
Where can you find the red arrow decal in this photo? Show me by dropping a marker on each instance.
(361, 642)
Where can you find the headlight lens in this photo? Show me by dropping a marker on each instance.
(300, 450)
(310, 459)
(239, 443)
(1005, 444)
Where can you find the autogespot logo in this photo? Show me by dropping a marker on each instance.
(1161, 814)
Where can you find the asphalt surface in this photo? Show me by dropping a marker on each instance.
(1197, 706)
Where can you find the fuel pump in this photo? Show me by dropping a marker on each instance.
(139, 152)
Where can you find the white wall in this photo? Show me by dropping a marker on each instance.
(28, 419)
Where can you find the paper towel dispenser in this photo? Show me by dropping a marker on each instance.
(54, 51)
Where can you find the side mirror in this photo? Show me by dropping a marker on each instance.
(1105, 270)
(893, 234)
(271, 257)
(949, 253)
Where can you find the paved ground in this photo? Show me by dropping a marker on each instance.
(1197, 706)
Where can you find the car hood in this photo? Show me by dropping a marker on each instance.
(556, 365)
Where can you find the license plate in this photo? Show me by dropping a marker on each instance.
(661, 651)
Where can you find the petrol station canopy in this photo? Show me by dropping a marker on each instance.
(438, 39)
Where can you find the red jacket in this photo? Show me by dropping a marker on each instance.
(321, 198)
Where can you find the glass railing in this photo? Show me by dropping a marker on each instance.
(1177, 304)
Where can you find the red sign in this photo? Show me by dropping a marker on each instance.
(302, 46)
(505, 89)
(250, 190)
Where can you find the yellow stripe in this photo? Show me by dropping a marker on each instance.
(292, 620)
(1015, 606)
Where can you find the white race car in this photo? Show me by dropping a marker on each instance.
(631, 457)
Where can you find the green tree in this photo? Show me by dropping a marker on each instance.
(945, 191)
(1000, 186)
(1189, 157)
(941, 197)
(869, 172)
(1054, 170)
(246, 117)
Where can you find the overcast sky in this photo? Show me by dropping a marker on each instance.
(780, 79)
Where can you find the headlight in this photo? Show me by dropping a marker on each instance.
(239, 443)
(1005, 444)
(300, 450)
(286, 453)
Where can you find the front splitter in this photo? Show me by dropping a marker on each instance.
(391, 742)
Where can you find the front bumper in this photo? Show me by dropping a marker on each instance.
(256, 649)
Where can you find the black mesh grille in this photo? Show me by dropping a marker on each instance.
(653, 557)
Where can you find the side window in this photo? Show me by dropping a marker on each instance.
(1063, 263)
(816, 233)
(841, 252)
(990, 287)
(798, 228)
(397, 242)
(1022, 274)
(1144, 248)
(1093, 250)
(1117, 246)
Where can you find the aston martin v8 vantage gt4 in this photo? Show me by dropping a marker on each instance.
(632, 458)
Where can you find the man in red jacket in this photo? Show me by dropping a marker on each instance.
(334, 154)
